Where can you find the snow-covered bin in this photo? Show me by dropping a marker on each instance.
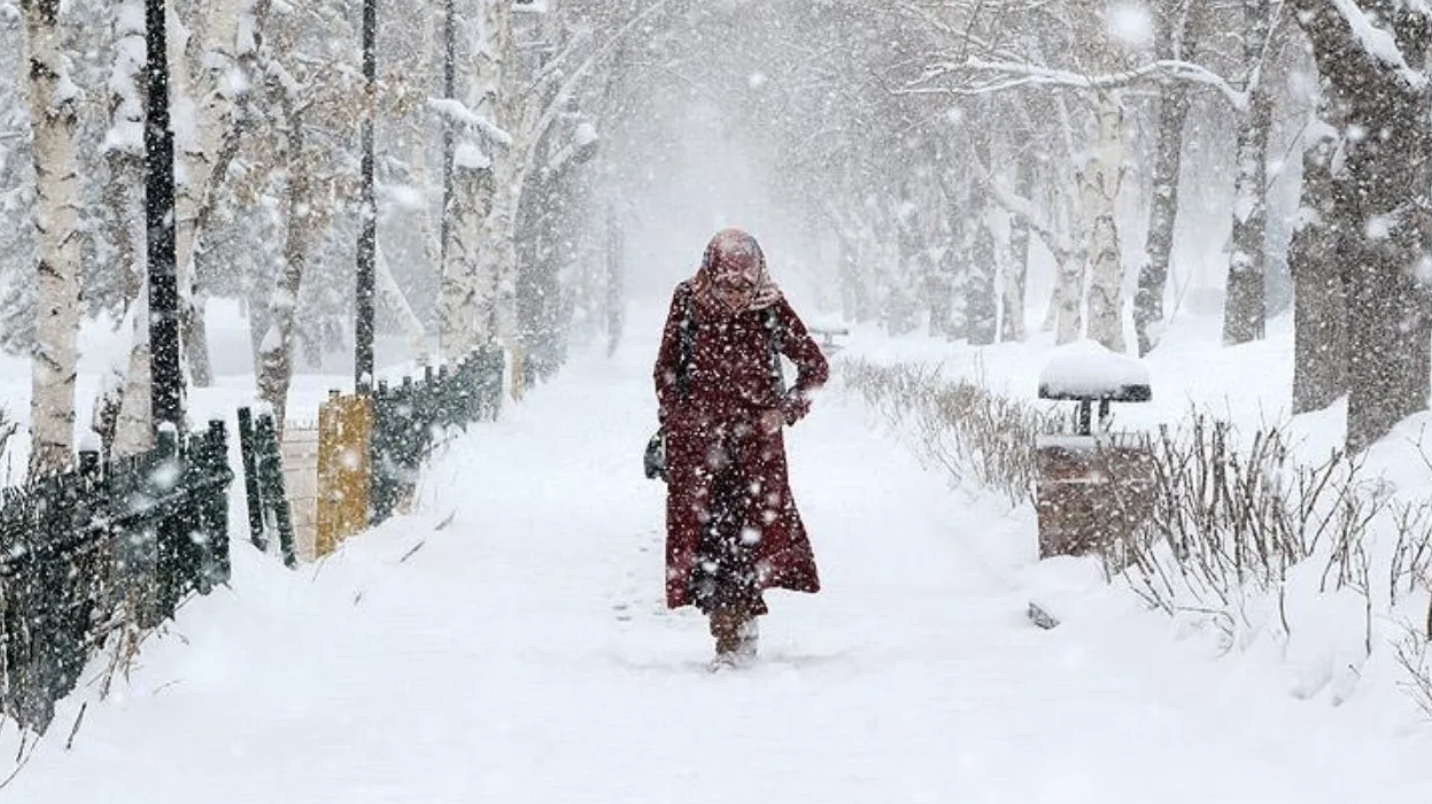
(1093, 485)
(1086, 372)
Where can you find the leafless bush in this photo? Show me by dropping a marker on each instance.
(1226, 518)
(960, 425)
(1226, 521)
(1412, 652)
(1223, 520)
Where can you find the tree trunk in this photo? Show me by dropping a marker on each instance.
(134, 428)
(982, 306)
(1319, 301)
(1386, 178)
(942, 264)
(1017, 267)
(616, 282)
(121, 416)
(363, 329)
(1244, 313)
(276, 369)
(1067, 240)
(215, 48)
(1173, 40)
(1099, 192)
(499, 186)
(458, 291)
(53, 120)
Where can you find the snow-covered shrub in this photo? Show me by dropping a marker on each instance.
(1233, 526)
(959, 425)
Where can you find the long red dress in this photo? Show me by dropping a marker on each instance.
(713, 439)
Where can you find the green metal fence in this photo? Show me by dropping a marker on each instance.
(409, 418)
(269, 509)
(84, 551)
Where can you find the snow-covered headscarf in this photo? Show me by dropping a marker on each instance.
(733, 253)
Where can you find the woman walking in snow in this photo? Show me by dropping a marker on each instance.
(732, 529)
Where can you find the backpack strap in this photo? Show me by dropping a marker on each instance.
(775, 342)
(686, 339)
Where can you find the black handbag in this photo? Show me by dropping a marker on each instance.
(654, 461)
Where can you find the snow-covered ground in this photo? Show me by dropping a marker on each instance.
(507, 643)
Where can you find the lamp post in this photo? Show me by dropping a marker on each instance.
(167, 381)
(368, 234)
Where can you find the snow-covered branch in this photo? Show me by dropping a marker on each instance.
(1379, 43)
(577, 75)
(1001, 75)
(457, 112)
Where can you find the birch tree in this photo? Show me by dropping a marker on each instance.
(1099, 184)
(53, 100)
(468, 290)
(131, 431)
(208, 82)
(498, 182)
(982, 270)
(276, 351)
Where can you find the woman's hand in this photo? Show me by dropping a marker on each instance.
(794, 407)
(771, 421)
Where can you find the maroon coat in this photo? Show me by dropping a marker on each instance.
(714, 424)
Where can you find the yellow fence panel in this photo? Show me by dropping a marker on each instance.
(345, 435)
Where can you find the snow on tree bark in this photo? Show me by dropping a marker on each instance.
(52, 101)
(1066, 240)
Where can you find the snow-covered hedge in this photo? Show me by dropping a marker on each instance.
(1243, 534)
(959, 425)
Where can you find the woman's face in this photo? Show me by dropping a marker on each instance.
(736, 278)
(734, 290)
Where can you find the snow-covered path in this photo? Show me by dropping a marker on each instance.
(507, 643)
